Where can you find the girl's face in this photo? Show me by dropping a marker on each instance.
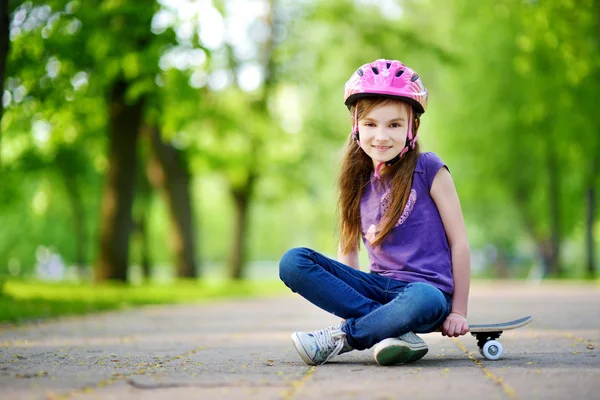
(383, 131)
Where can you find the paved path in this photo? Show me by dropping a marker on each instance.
(242, 350)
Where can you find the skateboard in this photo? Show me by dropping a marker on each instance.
(486, 335)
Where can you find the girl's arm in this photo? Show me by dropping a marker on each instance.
(350, 259)
(445, 197)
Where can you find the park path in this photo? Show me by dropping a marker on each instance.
(241, 349)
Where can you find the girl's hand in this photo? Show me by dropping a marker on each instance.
(455, 325)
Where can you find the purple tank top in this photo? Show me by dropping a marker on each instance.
(416, 249)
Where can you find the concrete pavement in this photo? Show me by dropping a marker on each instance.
(241, 349)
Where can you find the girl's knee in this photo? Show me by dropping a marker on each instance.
(289, 263)
(427, 299)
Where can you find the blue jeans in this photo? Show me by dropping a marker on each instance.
(375, 307)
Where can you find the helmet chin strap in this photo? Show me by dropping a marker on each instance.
(355, 127)
(409, 145)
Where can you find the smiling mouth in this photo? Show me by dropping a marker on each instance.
(382, 147)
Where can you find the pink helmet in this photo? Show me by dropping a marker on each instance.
(387, 78)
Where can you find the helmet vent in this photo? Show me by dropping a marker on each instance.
(388, 65)
(359, 72)
(414, 77)
(375, 70)
(400, 72)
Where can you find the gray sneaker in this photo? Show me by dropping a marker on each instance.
(320, 346)
(405, 349)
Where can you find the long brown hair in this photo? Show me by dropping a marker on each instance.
(355, 174)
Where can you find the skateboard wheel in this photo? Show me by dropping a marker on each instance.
(492, 350)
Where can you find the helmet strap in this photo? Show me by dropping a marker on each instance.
(355, 126)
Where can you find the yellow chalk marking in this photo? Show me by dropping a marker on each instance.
(509, 390)
(589, 344)
(120, 377)
(296, 385)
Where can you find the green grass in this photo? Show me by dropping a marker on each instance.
(25, 301)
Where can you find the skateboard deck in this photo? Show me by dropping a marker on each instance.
(486, 335)
(502, 326)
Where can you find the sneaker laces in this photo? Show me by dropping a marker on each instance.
(411, 338)
(330, 339)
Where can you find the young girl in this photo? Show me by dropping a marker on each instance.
(404, 205)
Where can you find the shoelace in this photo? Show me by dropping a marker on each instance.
(410, 337)
(330, 339)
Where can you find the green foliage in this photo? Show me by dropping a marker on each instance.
(513, 110)
(513, 88)
(22, 301)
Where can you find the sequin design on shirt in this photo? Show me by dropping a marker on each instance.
(410, 205)
(384, 204)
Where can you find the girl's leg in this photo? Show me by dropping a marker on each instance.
(331, 285)
(418, 307)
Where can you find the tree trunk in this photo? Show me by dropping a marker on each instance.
(541, 241)
(590, 218)
(77, 208)
(591, 189)
(544, 247)
(554, 217)
(501, 270)
(142, 236)
(116, 223)
(242, 196)
(237, 258)
(143, 197)
(169, 171)
(4, 48)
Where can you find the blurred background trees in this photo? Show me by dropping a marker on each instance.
(154, 139)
